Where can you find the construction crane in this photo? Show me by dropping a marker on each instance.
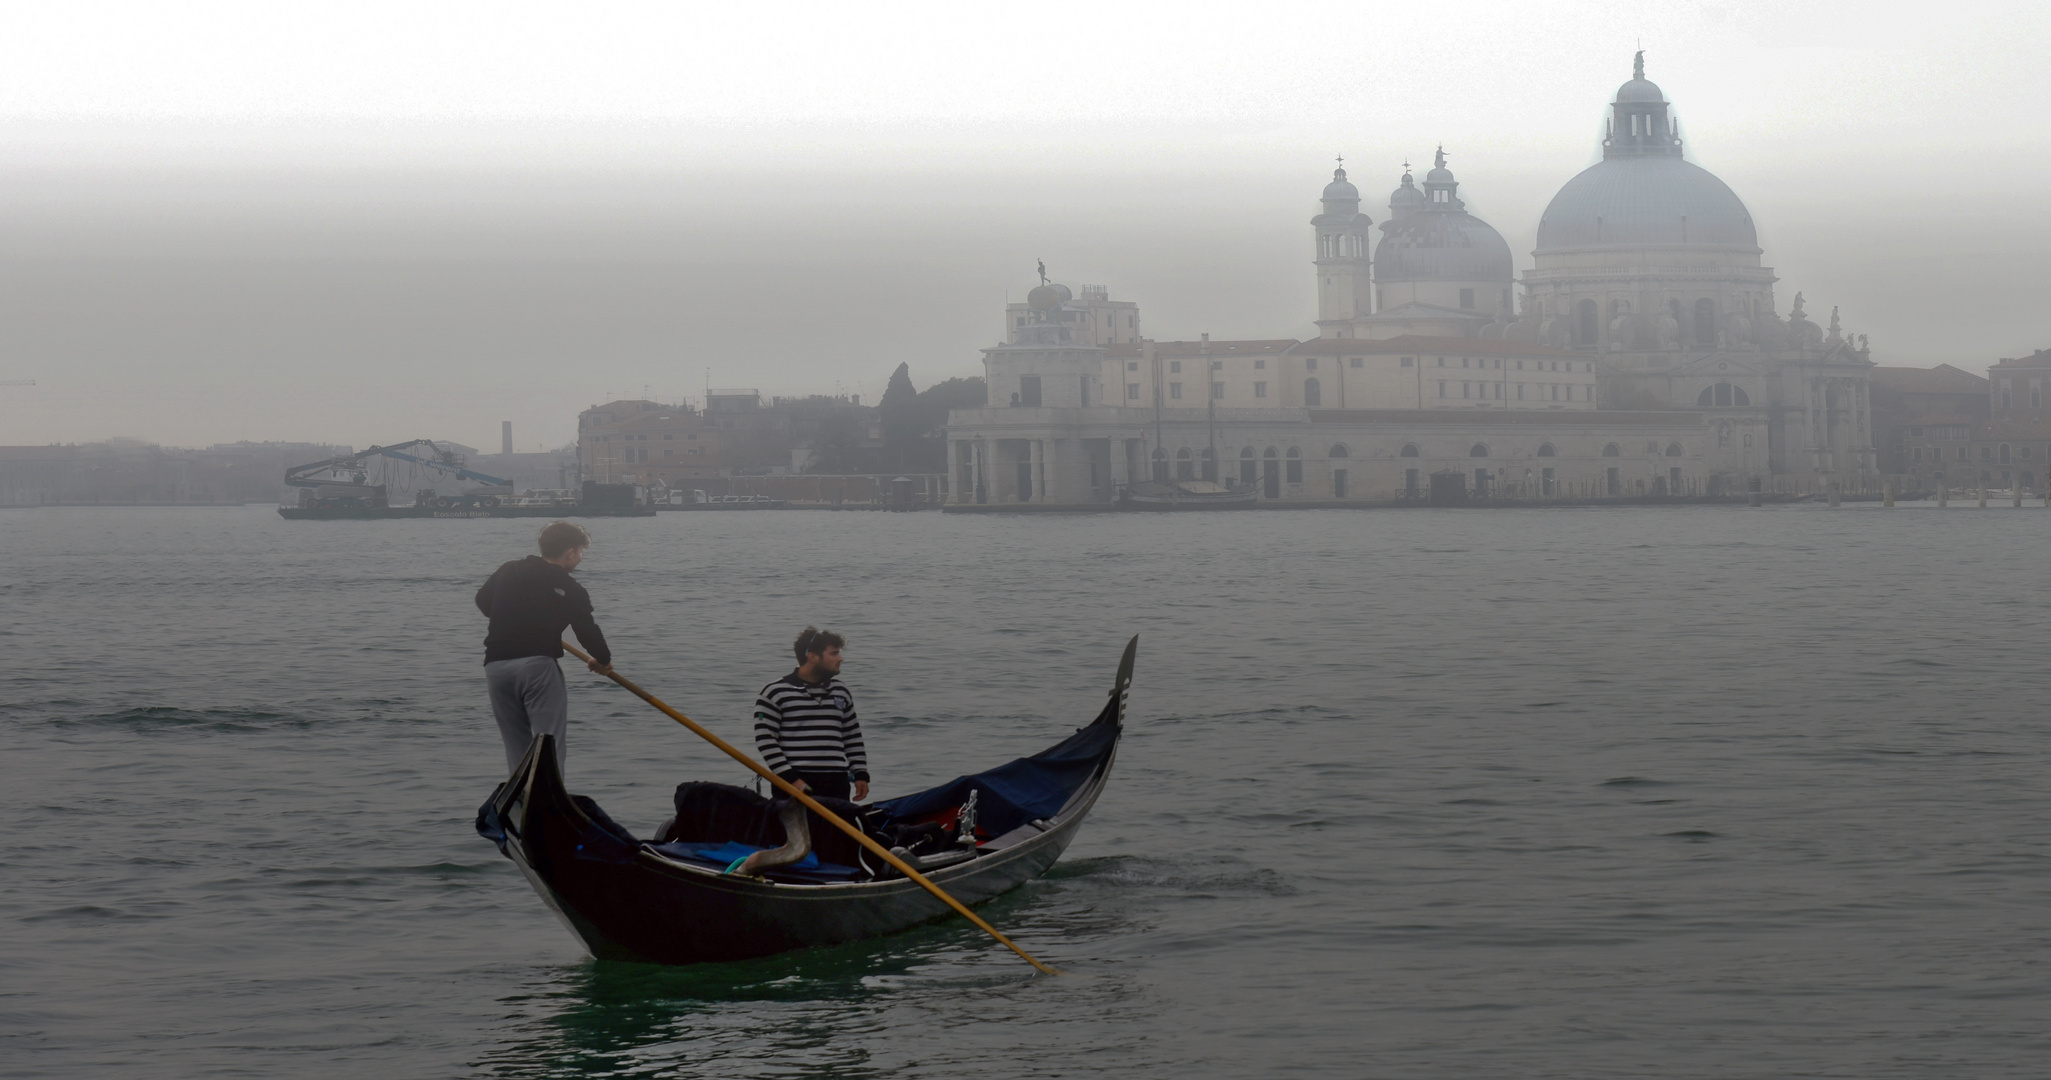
(345, 480)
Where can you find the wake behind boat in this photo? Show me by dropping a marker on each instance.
(671, 899)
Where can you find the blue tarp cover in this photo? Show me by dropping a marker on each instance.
(1016, 792)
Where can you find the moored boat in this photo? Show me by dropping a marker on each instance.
(671, 899)
(1187, 495)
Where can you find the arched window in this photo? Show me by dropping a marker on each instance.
(1160, 465)
(1705, 321)
(2005, 454)
(1311, 395)
(1612, 450)
(1185, 469)
(1210, 460)
(1338, 450)
(1588, 327)
(1268, 453)
(1247, 473)
(1409, 450)
(1546, 450)
(1478, 450)
(1673, 449)
(1295, 464)
(1723, 393)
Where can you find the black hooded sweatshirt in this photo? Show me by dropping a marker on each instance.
(530, 601)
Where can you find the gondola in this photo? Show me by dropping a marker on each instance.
(672, 899)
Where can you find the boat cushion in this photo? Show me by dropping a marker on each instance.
(806, 871)
(723, 812)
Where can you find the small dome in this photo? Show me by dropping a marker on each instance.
(1340, 189)
(1451, 245)
(1405, 196)
(1639, 90)
(1440, 175)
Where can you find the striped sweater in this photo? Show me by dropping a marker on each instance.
(806, 727)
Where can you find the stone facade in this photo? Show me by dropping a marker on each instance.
(2003, 443)
(1647, 355)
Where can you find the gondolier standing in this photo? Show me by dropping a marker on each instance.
(805, 725)
(529, 602)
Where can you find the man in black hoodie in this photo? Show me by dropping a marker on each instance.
(529, 602)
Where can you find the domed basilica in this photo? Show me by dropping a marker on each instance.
(1645, 261)
(1642, 354)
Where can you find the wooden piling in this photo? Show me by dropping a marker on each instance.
(1943, 495)
(1887, 495)
(1983, 496)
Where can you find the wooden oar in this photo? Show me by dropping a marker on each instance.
(811, 804)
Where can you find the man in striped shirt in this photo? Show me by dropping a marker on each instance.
(805, 726)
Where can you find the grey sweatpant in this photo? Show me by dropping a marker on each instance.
(529, 698)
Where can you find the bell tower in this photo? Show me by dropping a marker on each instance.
(1345, 283)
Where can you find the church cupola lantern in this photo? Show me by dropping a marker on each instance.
(1640, 123)
(1441, 191)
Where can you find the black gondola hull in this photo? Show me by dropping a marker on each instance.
(626, 900)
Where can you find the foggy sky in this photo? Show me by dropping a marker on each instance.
(376, 224)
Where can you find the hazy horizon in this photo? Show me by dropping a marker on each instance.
(202, 242)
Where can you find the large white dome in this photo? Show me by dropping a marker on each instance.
(1646, 201)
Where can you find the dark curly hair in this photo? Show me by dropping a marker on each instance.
(814, 640)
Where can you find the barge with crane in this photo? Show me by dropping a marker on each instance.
(356, 487)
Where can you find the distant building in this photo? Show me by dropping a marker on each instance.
(737, 434)
(1093, 317)
(1924, 420)
(2013, 447)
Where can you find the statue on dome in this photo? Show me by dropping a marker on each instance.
(1440, 162)
(1043, 271)
(1836, 334)
(1638, 65)
(1802, 333)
